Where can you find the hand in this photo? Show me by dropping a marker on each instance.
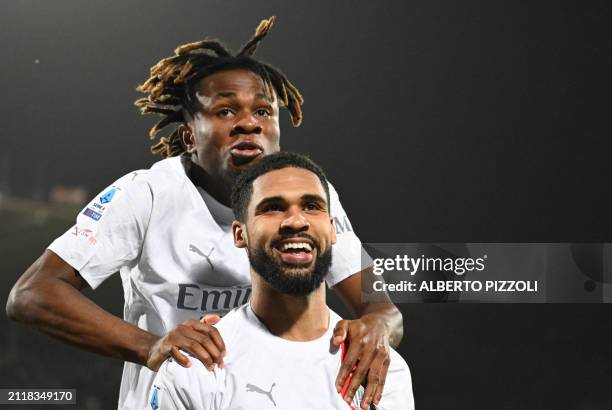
(368, 350)
(199, 338)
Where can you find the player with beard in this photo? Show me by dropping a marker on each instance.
(223, 112)
(283, 220)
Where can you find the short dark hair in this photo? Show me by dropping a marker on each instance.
(243, 186)
(171, 86)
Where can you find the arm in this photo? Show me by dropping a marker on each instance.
(368, 337)
(384, 311)
(379, 323)
(47, 296)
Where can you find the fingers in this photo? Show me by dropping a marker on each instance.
(348, 365)
(367, 356)
(179, 357)
(383, 379)
(208, 331)
(210, 319)
(211, 331)
(340, 332)
(197, 347)
(376, 377)
(197, 338)
(363, 365)
(203, 342)
(371, 388)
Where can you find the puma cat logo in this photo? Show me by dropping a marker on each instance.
(195, 249)
(252, 387)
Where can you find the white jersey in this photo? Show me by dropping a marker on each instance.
(172, 244)
(263, 371)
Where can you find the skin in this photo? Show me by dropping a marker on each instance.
(297, 318)
(233, 108)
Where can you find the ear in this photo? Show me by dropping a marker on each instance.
(240, 236)
(187, 138)
(333, 227)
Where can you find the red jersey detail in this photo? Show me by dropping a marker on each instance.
(349, 377)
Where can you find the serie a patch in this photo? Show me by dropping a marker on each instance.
(108, 196)
(92, 214)
(94, 211)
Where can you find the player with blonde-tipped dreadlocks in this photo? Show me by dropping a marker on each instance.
(167, 230)
(170, 86)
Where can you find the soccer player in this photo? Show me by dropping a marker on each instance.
(283, 221)
(167, 230)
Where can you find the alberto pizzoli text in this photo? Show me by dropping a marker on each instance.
(458, 286)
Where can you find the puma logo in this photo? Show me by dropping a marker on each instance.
(135, 174)
(252, 387)
(195, 249)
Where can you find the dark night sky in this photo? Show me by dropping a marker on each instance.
(489, 121)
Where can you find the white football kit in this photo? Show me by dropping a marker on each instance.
(263, 371)
(172, 244)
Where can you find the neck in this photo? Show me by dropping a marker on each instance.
(296, 318)
(217, 186)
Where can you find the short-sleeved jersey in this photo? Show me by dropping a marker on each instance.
(173, 246)
(263, 371)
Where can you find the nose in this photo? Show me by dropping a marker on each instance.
(246, 124)
(295, 222)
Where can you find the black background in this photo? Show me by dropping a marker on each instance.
(436, 122)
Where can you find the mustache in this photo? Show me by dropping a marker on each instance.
(277, 241)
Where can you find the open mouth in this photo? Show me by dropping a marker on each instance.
(296, 251)
(245, 152)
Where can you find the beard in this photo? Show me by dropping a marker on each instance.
(287, 278)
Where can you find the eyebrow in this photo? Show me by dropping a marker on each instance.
(231, 94)
(269, 200)
(314, 197)
(279, 199)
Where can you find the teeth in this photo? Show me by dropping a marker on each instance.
(296, 245)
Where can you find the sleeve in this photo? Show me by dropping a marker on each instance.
(179, 388)
(348, 256)
(109, 231)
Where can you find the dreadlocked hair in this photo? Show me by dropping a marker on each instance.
(170, 87)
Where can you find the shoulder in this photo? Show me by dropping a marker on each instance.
(333, 194)
(242, 332)
(162, 173)
(232, 324)
(337, 211)
(181, 387)
(171, 372)
(133, 194)
(140, 187)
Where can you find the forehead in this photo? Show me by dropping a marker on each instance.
(230, 81)
(289, 183)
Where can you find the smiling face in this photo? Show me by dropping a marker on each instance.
(235, 124)
(288, 231)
